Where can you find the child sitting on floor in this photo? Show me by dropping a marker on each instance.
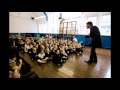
(34, 44)
(51, 47)
(69, 48)
(30, 49)
(63, 55)
(21, 45)
(73, 48)
(48, 54)
(78, 49)
(55, 48)
(82, 45)
(38, 49)
(26, 47)
(57, 58)
(66, 49)
(41, 57)
(42, 47)
(34, 54)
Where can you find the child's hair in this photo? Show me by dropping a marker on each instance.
(30, 44)
(42, 47)
(61, 50)
(57, 51)
(78, 45)
(66, 47)
(47, 49)
(34, 49)
(55, 46)
(47, 45)
(36, 45)
(42, 51)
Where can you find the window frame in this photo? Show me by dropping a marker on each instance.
(104, 25)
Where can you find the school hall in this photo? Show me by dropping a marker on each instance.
(59, 44)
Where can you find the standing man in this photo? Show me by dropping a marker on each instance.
(95, 41)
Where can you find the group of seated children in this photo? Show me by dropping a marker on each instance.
(44, 49)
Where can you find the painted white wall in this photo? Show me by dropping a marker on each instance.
(21, 22)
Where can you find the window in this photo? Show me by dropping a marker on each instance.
(42, 27)
(50, 22)
(53, 23)
(105, 25)
(93, 19)
(45, 28)
(78, 25)
(73, 16)
(56, 22)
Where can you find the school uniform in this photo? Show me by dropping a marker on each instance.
(49, 47)
(30, 51)
(69, 50)
(27, 47)
(73, 49)
(37, 42)
(53, 52)
(41, 57)
(58, 45)
(64, 56)
(78, 50)
(48, 54)
(57, 59)
(82, 45)
(38, 49)
(33, 55)
(21, 46)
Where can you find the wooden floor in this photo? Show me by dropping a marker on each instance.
(75, 67)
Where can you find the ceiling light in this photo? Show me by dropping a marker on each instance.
(39, 17)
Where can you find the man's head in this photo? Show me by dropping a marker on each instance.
(89, 24)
